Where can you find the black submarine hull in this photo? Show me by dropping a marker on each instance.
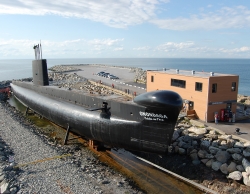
(146, 125)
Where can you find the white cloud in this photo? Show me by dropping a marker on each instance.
(115, 13)
(237, 17)
(145, 48)
(172, 46)
(23, 48)
(119, 49)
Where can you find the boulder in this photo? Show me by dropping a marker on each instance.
(246, 152)
(209, 163)
(204, 161)
(198, 131)
(236, 175)
(196, 162)
(175, 135)
(222, 156)
(230, 143)
(225, 137)
(240, 168)
(205, 145)
(246, 165)
(234, 150)
(237, 157)
(182, 151)
(215, 143)
(231, 167)
(239, 145)
(196, 136)
(216, 165)
(187, 139)
(213, 150)
(223, 168)
(246, 179)
(194, 156)
(202, 154)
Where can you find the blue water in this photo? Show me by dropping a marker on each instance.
(16, 69)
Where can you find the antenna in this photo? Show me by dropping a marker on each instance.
(41, 50)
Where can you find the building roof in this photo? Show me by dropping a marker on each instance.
(191, 73)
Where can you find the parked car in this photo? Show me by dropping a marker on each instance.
(100, 73)
(110, 76)
(105, 75)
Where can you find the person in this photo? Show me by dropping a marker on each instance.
(230, 116)
(233, 119)
(245, 110)
(216, 117)
(113, 86)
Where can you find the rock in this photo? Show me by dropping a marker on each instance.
(236, 175)
(209, 163)
(194, 143)
(239, 145)
(237, 157)
(246, 180)
(240, 168)
(223, 168)
(175, 135)
(182, 151)
(246, 152)
(194, 156)
(225, 137)
(230, 143)
(176, 149)
(170, 149)
(231, 167)
(204, 161)
(4, 187)
(223, 145)
(196, 162)
(215, 143)
(198, 131)
(246, 165)
(187, 139)
(202, 154)
(234, 150)
(222, 156)
(205, 145)
(2, 177)
(216, 165)
(247, 144)
(195, 136)
(181, 144)
(213, 150)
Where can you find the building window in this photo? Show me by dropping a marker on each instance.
(214, 88)
(198, 86)
(152, 78)
(233, 86)
(178, 83)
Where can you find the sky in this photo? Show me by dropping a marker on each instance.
(125, 28)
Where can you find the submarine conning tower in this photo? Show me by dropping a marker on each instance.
(40, 72)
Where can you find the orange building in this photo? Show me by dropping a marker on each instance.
(204, 93)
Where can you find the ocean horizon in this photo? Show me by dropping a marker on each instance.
(22, 68)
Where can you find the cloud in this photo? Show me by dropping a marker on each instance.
(226, 17)
(144, 48)
(172, 46)
(119, 49)
(115, 13)
(73, 48)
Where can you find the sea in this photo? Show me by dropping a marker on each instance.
(22, 68)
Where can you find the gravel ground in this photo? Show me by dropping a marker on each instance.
(80, 172)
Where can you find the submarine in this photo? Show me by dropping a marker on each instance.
(144, 124)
